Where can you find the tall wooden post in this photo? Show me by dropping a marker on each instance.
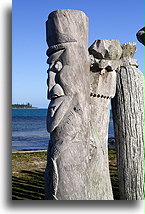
(68, 111)
(77, 163)
(105, 61)
(128, 118)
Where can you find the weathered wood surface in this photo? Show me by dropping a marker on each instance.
(128, 118)
(99, 166)
(106, 54)
(77, 163)
(78, 114)
(68, 118)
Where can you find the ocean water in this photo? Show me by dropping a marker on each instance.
(29, 129)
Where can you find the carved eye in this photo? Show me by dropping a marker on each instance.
(58, 66)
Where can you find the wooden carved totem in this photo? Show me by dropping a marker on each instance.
(77, 165)
(80, 86)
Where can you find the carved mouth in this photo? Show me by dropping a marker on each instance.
(55, 96)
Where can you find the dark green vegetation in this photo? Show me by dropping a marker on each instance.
(28, 105)
(28, 175)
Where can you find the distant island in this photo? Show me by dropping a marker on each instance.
(28, 105)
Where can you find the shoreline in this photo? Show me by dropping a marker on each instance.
(111, 145)
(26, 108)
(31, 108)
(28, 151)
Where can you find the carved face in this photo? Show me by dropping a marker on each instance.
(65, 80)
(55, 91)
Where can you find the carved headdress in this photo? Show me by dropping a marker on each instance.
(67, 26)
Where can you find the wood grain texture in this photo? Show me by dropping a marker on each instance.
(128, 117)
(67, 167)
(77, 161)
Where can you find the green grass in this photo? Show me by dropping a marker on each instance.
(113, 173)
(28, 175)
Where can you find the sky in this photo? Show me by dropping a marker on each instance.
(107, 20)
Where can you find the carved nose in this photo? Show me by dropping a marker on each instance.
(54, 89)
(50, 83)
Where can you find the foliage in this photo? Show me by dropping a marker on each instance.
(28, 105)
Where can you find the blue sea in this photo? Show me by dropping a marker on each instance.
(29, 129)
